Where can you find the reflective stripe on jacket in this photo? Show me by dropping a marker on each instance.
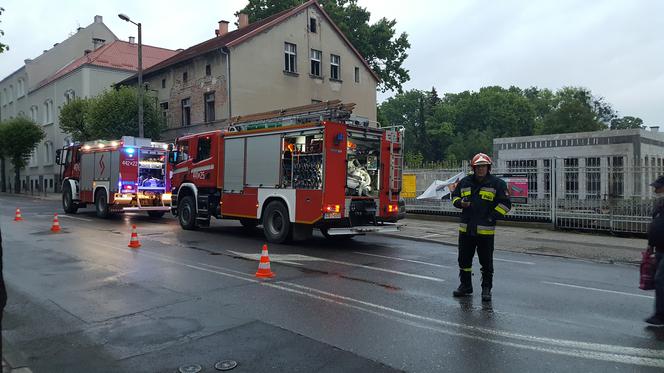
(489, 201)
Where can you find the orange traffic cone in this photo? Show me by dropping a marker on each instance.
(264, 265)
(55, 228)
(18, 215)
(133, 242)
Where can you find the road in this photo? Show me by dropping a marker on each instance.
(82, 301)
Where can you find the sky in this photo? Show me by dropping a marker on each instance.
(614, 48)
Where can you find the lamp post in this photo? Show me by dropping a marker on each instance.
(140, 74)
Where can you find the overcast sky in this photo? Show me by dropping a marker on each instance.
(614, 48)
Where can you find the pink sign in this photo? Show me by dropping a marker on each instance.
(517, 188)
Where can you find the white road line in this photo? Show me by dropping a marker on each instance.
(405, 260)
(595, 289)
(297, 257)
(502, 260)
(73, 217)
(431, 235)
(596, 351)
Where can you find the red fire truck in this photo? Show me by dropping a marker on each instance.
(291, 171)
(126, 175)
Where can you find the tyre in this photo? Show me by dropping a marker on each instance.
(276, 223)
(336, 237)
(68, 203)
(156, 214)
(101, 204)
(249, 223)
(187, 213)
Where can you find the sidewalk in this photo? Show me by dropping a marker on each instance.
(48, 196)
(531, 239)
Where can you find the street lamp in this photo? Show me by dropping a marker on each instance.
(140, 74)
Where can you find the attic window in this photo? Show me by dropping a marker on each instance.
(185, 77)
(312, 24)
(208, 70)
(163, 83)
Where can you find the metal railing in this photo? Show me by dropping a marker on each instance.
(591, 196)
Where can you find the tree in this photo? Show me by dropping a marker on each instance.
(377, 43)
(576, 110)
(111, 115)
(72, 119)
(20, 136)
(626, 123)
(3, 47)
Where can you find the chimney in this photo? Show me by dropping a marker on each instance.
(223, 28)
(99, 19)
(243, 20)
(654, 128)
(131, 40)
(97, 42)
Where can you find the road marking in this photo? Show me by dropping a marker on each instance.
(502, 260)
(405, 260)
(73, 217)
(595, 289)
(603, 352)
(431, 235)
(297, 257)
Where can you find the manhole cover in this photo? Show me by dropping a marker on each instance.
(225, 365)
(193, 368)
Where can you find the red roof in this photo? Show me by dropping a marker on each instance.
(119, 55)
(238, 36)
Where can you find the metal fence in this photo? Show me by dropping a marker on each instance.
(594, 196)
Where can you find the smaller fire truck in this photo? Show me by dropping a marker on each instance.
(130, 174)
(291, 171)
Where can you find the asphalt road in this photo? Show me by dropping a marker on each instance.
(82, 301)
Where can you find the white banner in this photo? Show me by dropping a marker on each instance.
(439, 189)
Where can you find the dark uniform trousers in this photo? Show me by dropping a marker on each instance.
(484, 246)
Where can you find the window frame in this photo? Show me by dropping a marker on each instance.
(199, 141)
(206, 106)
(333, 65)
(357, 75)
(313, 25)
(185, 103)
(290, 57)
(316, 62)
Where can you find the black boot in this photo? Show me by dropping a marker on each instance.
(487, 283)
(466, 286)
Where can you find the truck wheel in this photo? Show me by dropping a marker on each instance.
(101, 204)
(187, 213)
(336, 237)
(276, 224)
(68, 201)
(249, 223)
(156, 214)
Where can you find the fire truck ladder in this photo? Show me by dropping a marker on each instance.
(395, 137)
(330, 110)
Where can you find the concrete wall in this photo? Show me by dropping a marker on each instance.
(259, 83)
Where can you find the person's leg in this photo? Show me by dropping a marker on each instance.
(658, 317)
(485, 255)
(466, 252)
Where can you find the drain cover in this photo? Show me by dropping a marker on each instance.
(193, 368)
(225, 365)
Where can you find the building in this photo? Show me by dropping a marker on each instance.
(296, 57)
(96, 67)
(586, 165)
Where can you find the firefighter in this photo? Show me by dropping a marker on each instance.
(483, 198)
(656, 242)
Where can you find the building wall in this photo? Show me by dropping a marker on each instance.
(259, 83)
(13, 94)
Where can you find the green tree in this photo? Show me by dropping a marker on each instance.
(21, 135)
(576, 110)
(72, 119)
(378, 42)
(111, 115)
(3, 47)
(626, 123)
(409, 109)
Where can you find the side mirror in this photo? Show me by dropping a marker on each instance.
(173, 157)
(58, 156)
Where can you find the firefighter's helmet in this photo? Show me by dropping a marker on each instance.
(481, 159)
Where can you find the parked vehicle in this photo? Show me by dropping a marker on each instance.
(292, 171)
(130, 174)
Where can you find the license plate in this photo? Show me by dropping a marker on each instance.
(333, 215)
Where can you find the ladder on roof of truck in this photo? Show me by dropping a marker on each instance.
(394, 136)
(333, 110)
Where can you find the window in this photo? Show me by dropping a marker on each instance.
(164, 111)
(335, 62)
(11, 93)
(21, 87)
(5, 97)
(571, 169)
(48, 111)
(48, 153)
(33, 158)
(312, 24)
(203, 149)
(69, 96)
(183, 150)
(186, 112)
(208, 70)
(617, 176)
(209, 106)
(163, 83)
(290, 57)
(34, 113)
(185, 77)
(593, 178)
(315, 62)
(357, 74)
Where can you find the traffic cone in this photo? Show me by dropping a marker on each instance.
(18, 217)
(55, 228)
(264, 265)
(133, 242)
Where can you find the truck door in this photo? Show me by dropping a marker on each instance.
(202, 167)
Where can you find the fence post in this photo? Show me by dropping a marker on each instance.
(553, 191)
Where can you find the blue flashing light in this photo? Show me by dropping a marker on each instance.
(130, 150)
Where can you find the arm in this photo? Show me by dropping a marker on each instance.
(456, 196)
(503, 203)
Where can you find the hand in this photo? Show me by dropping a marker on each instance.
(465, 204)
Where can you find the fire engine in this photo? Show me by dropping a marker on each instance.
(130, 174)
(291, 171)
